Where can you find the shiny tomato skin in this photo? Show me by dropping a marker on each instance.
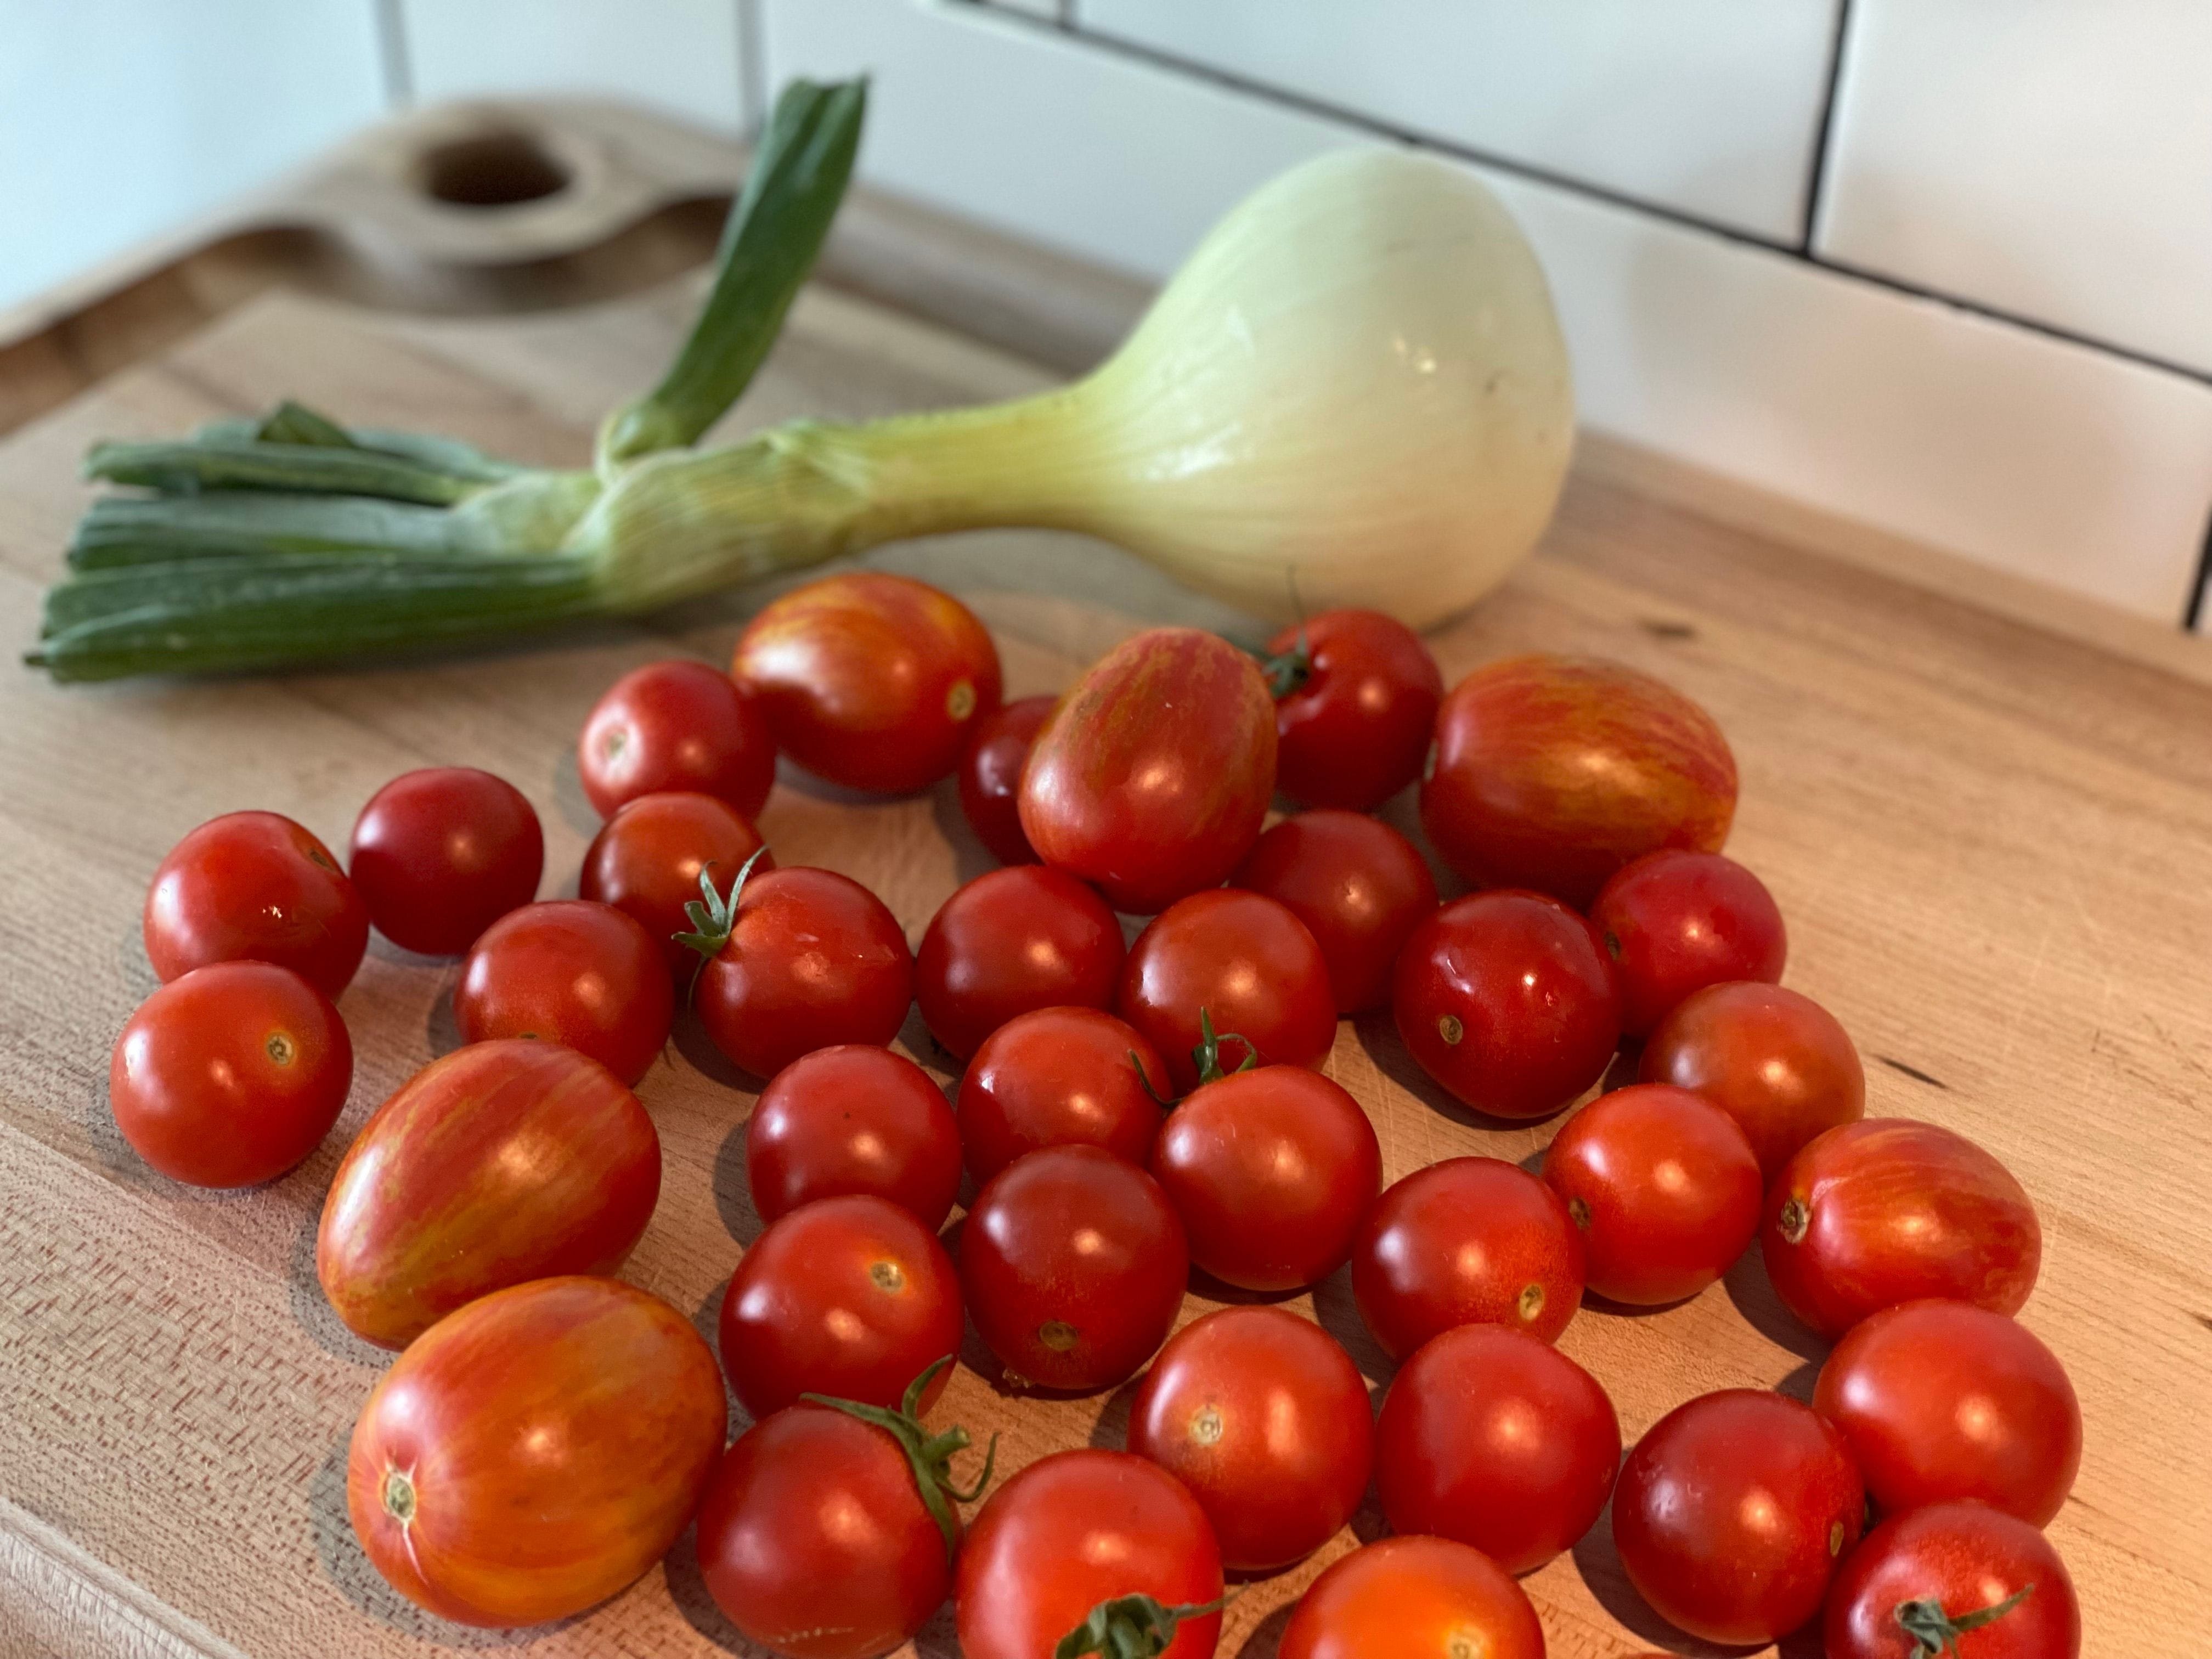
(1071, 1530)
(646, 862)
(441, 853)
(991, 776)
(545, 1444)
(815, 960)
(500, 1162)
(1772, 1058)
(255, 887)
(1414, 1598)
(1352, 733)
(1732, 1512)
(231, 1074)
(853, 1118)
(1890, 1210)
(870, 680)
(1074, 1266)
(1271, 1171)
(1245, 960)
(849, 1297)
(1944, 1401)
(571, 971)
(1359, 887)
(1468, 1241)
(1663, 1187)
(1676, 921)
(1008, 943)
(1151, 777)
(1059, 1077)
(679, 725)
(1264, 1417)
(1497, 1440)
(813, 1538)
(1965, 1557)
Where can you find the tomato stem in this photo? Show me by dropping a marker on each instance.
(1286, 672)
(1206, 1054)
(1935, 1632)
(1130, 1627)
(715, 920)
(930, 1456)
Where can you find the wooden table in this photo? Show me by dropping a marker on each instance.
(1993, 843)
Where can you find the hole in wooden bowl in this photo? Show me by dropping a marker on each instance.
(494, 169)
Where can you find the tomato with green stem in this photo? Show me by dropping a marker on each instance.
(1772, 1058)
(571, 971)
(255, 887)
(1356, 694)
(679, 725)
(1245, 961)
(1060, 1077)
(1958, 1579)
(647, 859)
(991, 776)
(1359, 887)
(1675, 921)
(848, 1119)
(441, 853)
(1008, 943)
(1423, 1598)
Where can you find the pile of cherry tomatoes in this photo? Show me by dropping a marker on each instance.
(1130, 1114)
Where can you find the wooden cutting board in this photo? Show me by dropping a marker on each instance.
(1992, 843)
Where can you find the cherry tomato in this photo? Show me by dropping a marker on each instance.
(1414, 1598)
(573, 972)
(1150, 780)
(646, 858)
(1059, 1077)
(679, 725)
(991, 777)
(1498, 1440)
(1012, 942)
(441, 853)
(1663, 1187)
(1263, 1416)
(870, 680)
(1271, 1171)
(255, 886)
(1245, 962)
(1774, 1060)
(1731, 1513)
(1074, 1264)
(501, 1161)
(1358, 704)
(849, 1297)
(1890, 1210)
(1953, 1578)
(1552, 772)
(1506, 1000)
(1942, 1401)
(1468, 1241)
(853, 1118)
(811, 959)
(230, 1075)
(1359, 886)
(1075, 1529)
(536, 1451)
(1676, 922)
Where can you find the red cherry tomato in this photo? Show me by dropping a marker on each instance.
(1943, 1400)
(1953, 1578)
(853, 1118)
(991, 777)
(1151, 778)
(1263, 1416)
(1731, 1513)
(870, 680)
(1414, 1597)
(1506, 1000)
(1361, 700)
(679, 725)
(1663, 1187)
(646, 858)
(1676, 922)
(1468, 1241)
(230, 1075)
(1359, 886)
(572, 972)
(1075, 1529)
(1498, 1440)
(1009, 942)
(1271, 1171)
(1059, 1077)
(441, 853)
(1247, 964)
(255, 886)
(1074, 1265)
(1890, 1210)
(1774, 1060)
(535, 1452)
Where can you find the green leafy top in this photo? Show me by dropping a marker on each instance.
(931, 1455)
